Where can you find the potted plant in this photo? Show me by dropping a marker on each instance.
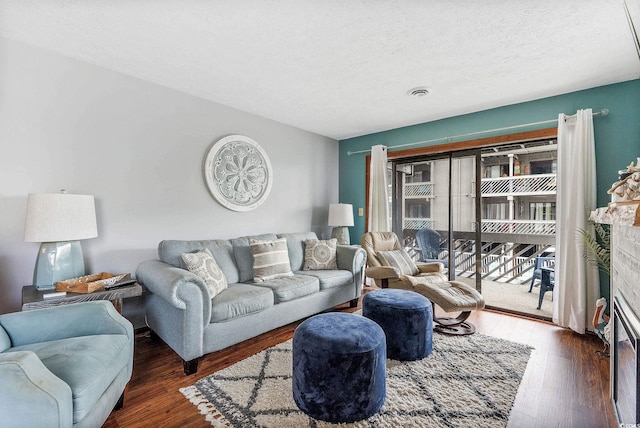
(597, 247)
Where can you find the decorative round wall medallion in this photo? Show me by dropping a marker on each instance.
(238, 173)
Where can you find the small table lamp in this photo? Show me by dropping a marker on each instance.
(59, 221)
(341, 217)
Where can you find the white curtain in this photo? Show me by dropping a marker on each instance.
(378, 210)
(576, 281)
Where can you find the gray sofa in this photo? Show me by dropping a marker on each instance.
(64, 366)
(181, 312)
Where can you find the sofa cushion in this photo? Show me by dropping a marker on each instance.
(5, 340)
(170, 251)
(330, 278)
(239, 300)
(243, 256)
(320, 254)
(399, 259)
(291, 288)
(204, 265)
(88, 364)
(295, 245)
(270, 259)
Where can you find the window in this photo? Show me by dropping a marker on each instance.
(421, 173)
(542, 210)
(415, 208)
(495, 211)
(543, 167)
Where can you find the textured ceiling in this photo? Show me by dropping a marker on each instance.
(343, 68)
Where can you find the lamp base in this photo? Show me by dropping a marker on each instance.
(57, 261)
(341, 233)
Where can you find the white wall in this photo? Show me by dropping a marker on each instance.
(139, 148)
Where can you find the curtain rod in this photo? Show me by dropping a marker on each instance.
(603, 112)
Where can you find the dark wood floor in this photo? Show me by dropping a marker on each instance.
(566, 383)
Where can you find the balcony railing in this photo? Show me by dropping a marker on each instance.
(418, 190)
(497, 267)
(418, 223)
(520, 185)
(521, 227)
(503, 260)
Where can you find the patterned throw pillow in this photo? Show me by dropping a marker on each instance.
(319, 254)
(270, 259)
(204, 265)
(399, 259)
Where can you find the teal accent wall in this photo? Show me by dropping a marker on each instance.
(617, 136)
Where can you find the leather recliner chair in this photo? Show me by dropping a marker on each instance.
(427, 279)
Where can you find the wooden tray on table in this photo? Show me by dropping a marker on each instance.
(91, 283)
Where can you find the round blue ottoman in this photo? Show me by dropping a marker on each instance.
(339, 367)
(406, 318)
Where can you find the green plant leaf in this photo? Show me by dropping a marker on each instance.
(597, 246)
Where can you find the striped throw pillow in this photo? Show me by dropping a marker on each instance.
(270, 259)
(399, 259)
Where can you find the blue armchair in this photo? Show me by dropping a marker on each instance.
(65, 366)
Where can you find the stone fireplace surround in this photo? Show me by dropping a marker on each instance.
(624, 362)
(625, 291)
(625, 266)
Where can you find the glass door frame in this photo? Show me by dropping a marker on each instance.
(397, 219)
(443, 149)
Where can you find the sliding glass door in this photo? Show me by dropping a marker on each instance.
(465, 212)
(435, 210)
(487, 213)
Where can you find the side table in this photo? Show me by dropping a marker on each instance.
(33, 298)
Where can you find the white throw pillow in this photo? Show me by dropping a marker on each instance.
(319, 254)
(204, 265)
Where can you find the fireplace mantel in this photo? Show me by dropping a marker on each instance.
(622, 213)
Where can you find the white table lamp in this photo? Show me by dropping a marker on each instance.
(59, 221)
(340, 218)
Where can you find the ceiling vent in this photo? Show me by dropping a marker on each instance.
(420, 91)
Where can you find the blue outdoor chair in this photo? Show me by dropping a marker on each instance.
(537, 268)
(429, 246)
(547, 282)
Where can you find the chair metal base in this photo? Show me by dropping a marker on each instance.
(454, 326)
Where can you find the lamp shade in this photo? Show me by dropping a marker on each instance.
(55, 217)
(340, 215)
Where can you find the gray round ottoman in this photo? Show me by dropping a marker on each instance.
(339, 367)
(407, 319)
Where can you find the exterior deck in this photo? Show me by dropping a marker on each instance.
(514, 298)
(507, 267)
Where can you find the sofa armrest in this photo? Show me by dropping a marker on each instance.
(61, 322)
(31, 395)
(178, 287)
(351, 258)
(431, 267)
(382, 272)
(354, 259)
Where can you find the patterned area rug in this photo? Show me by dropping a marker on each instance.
(468, 381)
